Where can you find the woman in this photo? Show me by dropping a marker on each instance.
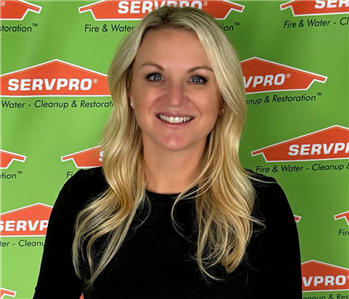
(172, 214)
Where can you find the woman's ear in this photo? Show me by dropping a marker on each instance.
(221, 107)
(130, 100)
(129, 88)
(130, 94)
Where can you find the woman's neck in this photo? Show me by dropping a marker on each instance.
(171, 172)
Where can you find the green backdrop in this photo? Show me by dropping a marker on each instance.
(54, 60)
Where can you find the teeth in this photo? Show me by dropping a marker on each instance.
(174, 120)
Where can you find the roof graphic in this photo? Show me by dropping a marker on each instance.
(319, 276)
(344, 215)
(26, 221)
(16, 9)
(88, 158)
(106, 10)
(6, 158)
(54, 78)
(315, 7)
(331, 143)
(5, 292)
(261, 75)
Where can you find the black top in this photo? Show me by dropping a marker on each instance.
(154, 261)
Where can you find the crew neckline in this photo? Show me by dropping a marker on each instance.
(161, 198)
(165, 198)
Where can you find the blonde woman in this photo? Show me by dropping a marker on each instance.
(172, 214)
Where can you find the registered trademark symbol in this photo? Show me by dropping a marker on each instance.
(3, 3)
(95, 81)
(288, 75)
(205, 3)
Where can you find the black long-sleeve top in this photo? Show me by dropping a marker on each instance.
(155, 261)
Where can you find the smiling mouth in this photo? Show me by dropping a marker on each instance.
(175, 119)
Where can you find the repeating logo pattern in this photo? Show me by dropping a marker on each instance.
(59, 78)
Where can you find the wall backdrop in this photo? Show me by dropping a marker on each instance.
(54, 102)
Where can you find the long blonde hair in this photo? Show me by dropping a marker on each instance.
(224, 195)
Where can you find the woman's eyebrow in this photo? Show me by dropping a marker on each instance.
(191, 70)
(205, 67)
(149, 63)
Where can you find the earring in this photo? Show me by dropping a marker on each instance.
(222, 110)
(131, 104)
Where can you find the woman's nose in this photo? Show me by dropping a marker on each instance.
(175, 94)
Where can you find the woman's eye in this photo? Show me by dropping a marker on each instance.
(155, 77)
(198, 80)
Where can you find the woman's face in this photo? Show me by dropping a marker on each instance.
(174, 91)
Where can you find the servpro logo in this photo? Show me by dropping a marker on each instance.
(316, 7)
(54, 78)
(6, 158)
(331, 143)
(88, 158)
(135, 10)
(262, 75)
(344, 215)
(318, 277)
(16, 9)
(5, 292)
(27, 221)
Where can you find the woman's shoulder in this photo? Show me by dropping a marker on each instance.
(272, 208)
(95, 173)
(270, 197)
(262, 184)
(87, 179)
(84, 186)
(277, 241)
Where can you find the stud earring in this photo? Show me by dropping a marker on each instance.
(222, 110)
(131, 104)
